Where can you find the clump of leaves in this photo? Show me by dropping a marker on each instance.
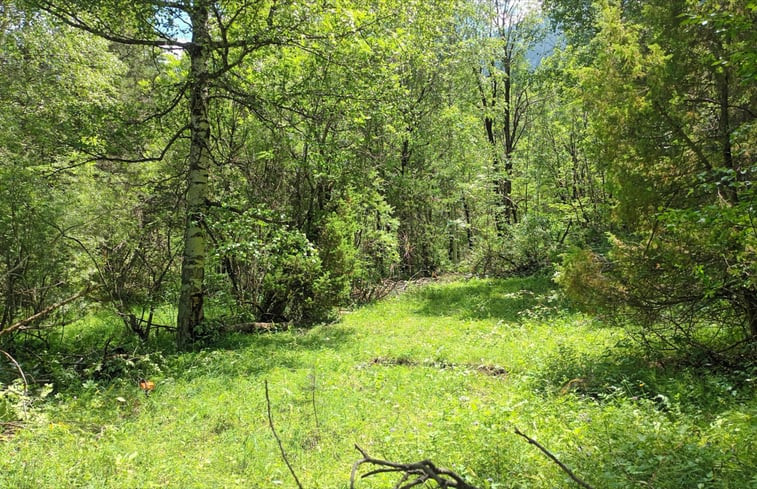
(17, 401)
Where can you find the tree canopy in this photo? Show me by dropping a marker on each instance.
(272, 161)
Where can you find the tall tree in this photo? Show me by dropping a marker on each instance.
(672, 97)
(508, 30)
(222, 34)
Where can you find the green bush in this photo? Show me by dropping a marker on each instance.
(527, 247)
(357, 244)
(269, 272)
(582, 278)
(295, 287)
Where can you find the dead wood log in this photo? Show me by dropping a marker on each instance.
(21, 325)
(254, 327)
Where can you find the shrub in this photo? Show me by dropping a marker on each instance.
(528, 247)
(270, 272)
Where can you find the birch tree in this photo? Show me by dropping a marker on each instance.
(215, 37)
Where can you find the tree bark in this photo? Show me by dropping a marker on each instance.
(468, 224)
(510, 131)
(190, 308)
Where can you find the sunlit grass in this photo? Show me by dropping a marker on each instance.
(442, 372)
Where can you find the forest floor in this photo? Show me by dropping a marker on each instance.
(443, 371)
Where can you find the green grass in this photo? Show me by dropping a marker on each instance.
(413, 377)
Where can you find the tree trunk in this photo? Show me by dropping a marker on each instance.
(510, 132)
(468, 224)
(724, 129)
(190, 313)
(499, 217)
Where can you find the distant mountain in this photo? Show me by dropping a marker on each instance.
(545, 47)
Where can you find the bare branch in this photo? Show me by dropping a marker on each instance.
(412, 474)
(278, 440)
(23, 377)
(18, 367)
(71, 18)
(174, 102)
(549, 454)
(681, 133)
(146, 159)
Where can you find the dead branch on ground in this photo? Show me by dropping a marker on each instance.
(412, 474)
(418, 473)
(552, 457)
(254, 327)
(278, 440)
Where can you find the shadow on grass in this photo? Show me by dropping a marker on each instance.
(104, 352)
(506, 299)
(256, 354)
(330, 337)
(624, 373)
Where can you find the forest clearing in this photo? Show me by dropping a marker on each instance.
(467, 244)
(443, 372)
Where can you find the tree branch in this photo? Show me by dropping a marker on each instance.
(549, 454)
(72, 19)
(420, 472)
(23, 377)
(41, 314)
(146, 159)
(276, 436)
(20, 371)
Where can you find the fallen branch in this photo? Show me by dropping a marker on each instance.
(549, 454)
(491, 370)
(41, 314)
(255, 327)
(276, 436)
(412, 474)
(8, 428)
(133, 317)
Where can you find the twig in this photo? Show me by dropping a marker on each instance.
(312, 400)
(422, 472)
(549, 454)
(276, 436)
(23, 377)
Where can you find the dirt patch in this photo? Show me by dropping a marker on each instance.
(490, 370)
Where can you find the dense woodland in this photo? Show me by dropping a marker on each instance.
(196, 167)
(274, 161)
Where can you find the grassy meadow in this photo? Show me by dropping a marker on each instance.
(444, 371)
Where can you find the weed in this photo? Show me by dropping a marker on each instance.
(442, 372)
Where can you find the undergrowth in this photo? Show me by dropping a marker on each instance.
(443, 372)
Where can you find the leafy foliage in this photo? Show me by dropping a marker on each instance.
(312, 153)
(51, 114)
(672, 119)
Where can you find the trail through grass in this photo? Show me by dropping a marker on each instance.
(442, 372)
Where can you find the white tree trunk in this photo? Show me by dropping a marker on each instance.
(190, 309)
